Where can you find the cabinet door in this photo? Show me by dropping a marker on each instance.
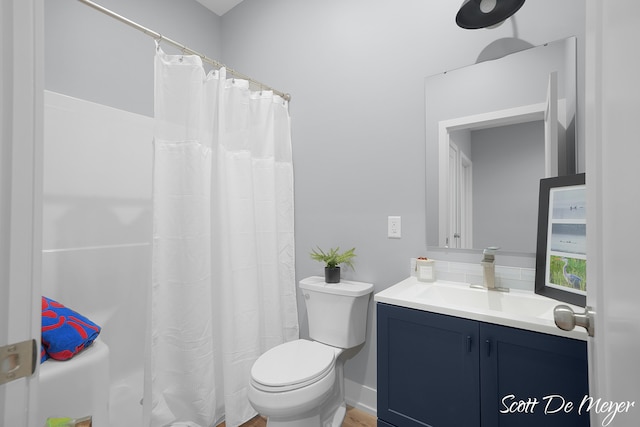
(520, 368)
(427, 369)
(383, 424)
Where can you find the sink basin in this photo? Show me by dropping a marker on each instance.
(473, 298)
(520, 309)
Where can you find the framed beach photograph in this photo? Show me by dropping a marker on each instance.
(561, 253)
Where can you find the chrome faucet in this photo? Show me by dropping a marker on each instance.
(489, 269)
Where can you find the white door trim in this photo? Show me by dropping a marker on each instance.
(509, 116)
(613, 205)
(22, 93)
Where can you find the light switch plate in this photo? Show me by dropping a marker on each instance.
(394, 227)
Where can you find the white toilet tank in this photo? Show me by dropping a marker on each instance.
(337, 311)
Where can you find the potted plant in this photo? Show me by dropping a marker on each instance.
(332, 259)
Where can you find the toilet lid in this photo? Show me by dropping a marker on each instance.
(293, 363)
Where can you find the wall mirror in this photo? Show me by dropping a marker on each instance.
(493, 130)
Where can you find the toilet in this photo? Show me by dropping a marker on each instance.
(301, 383)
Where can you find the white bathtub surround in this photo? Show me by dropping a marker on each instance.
(76, 388)
(97, 238)
(223, 283)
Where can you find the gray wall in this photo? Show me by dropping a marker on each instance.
(356, 72)
(94, 57)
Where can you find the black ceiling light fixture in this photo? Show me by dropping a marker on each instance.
(474, 14)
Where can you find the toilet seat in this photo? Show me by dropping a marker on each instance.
(292, 365)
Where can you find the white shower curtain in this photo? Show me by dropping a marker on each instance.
(223, 285)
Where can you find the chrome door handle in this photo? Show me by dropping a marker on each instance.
(566, 319)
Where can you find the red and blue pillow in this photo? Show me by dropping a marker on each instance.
(65, 332)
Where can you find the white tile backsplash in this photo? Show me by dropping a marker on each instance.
(508, 277)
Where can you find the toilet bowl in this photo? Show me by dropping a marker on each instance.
(293, 378)
(301, 383)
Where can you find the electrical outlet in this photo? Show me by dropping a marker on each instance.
(394, 227)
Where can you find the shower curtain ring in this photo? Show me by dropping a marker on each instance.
(158, 40)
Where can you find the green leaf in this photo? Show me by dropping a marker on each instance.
(333, 257)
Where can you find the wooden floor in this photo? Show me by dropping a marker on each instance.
(354, 418)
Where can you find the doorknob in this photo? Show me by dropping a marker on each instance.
(566, 319)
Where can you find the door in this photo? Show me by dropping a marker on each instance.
(613, 205)
(21, 92)
(466, 201)
(551, 127)
(528, 379)
(460, 225)
(453, 240)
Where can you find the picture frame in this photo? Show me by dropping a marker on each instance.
(561, 252)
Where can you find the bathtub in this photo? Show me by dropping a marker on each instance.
(125, 399)
(76, 388)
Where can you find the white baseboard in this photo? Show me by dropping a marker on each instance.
(360, 396)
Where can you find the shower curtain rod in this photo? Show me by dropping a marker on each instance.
(160, 38)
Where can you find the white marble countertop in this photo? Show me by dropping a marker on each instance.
(517, 308)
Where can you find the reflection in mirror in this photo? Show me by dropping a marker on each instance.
(493, 130)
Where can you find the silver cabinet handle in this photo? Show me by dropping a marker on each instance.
(566, 319)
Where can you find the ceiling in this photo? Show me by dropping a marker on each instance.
(219, 7)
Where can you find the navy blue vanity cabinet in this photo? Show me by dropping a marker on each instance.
(444, 371)
(427, 369)
(531, 379)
